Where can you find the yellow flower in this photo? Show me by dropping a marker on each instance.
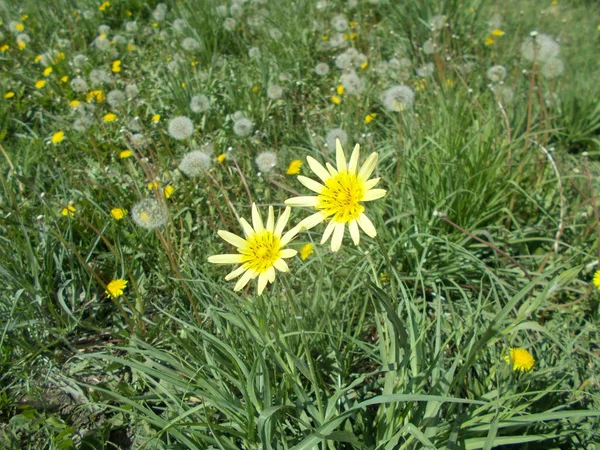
(194, 63)
(68, 211)
(37, 58)
(21, 45)
(109, 117)
(306, 251)
(353, 24)
(155, 118)
(57, 137)
(294, 167)
(152, 185)
(339, 199)
(118, 213)
(6, 47)
(130, 47)
(9, 94)
(47, 71)
(450, 82)
(597, 279)
(20, 27)
(370, 117)
(489, 41)
(168, 191)
(154, 24)
(364, 65)
(74, 103)
(498, 33)
(96, 95)
(115, 288)
(125, 154)
(103, 6)
(255, 88)
(261, 252)
(61, 55)
(64, 79)
(335, 99)
(339, 89)
(521, 359)
(221, 158)
(24, 17)
(324, 37)
(116, 66)
(40, 84)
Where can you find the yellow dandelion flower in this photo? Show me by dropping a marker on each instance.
(597, 279)
(339, 89)
(64, 79)
(353, 24)
(103, 6)
(221, 158)
(21, 45)
(4, 48)
(521, 359)
(47, 71)
(109, 117)
(364, 65)
(74, 103)
(324, 37)
(498, 33)
(68, 211)
(168, 191)
(118, 213)
(294, 167)
(40, 84)
(489, 41)
(61, 55)
(335, 99)
(95, 95)
(130, 47)
(152, 185)
(450, 83)
(57, 137)
(9, 94)
(306, 251)
(194, 63)
(116, 66)
(155, 118)
(370, 117)
(19, 27)
(115, 288)
(354, 36)
(261, 251)
(125, 154)
(37, 58)
(154, 24)
(24, 17)
(255, 88)
(339, 199)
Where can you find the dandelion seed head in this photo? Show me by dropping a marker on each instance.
(195, 163)
(552, 68)
(179, 25)
(79, 85)
(353, 84)
(181, 128)
(539, 47)
(116, 98)
(266, 161)
(322, 69)
(131, 26)
(496, 73)
(132, 90)
(339, 23)
(190, 44)
(150, 213)
(243, 127)
(254, 52)
(425, 70)
(99, 77)
(274, 91)
(398, 98)
(437, 22)
(229, 24)
(199, 103)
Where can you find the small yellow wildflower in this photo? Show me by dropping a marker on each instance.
(489, 41)
(61, 55)
(353, 36)
(335, 99)
(115, 288)
(6, 47)
(116, 66)
(21, 45)
(68, 211)
(255, 88)
(339, 89)
(109, 117)
(9, 94)
(306, 251)
(95, 95)
(155, 118)
(74, 103)
(498, 33)
(37, 58)
(221, 158)
(20, 27)
(194, 63)
(353, 24)
(47, 71)
(125, 154)
(64, 79)
(57, 137)
(130, 47)
(103, 6)
(154, 24)
(521, 359)
(364, 65)
(182, 85)
(450, 82)
(596, 280)
(118, 213)
(324, 37)
(168, 191)
(40, 84)
(153, 185)
(370, 117)
(554, 2)
(294, 167)
(24, 17)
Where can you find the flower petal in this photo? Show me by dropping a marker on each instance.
(366, 225)
(233, 239)
(373, 194)
(353, 165)
(263, 279)
(328, 230)
(331, 169)
(354, 233)
(340, 158)
(271, 274)
(370, 184)
(243, 281)
(282, 221)
(226, 259)
(271, 220)
(311, 184)
(312, 221)
(318, 169)
(248, 230)
(368, 167)
(302, 201)
(257, 222)
(288, 253)
(281, 265)
(338, 235)
(291, 234)
(236, 273)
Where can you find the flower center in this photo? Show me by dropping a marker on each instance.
(341, 197)
(262, 251)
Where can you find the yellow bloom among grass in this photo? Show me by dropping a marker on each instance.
(152, 185)
(336, 99)
(69, 210)
(116, 287)
(156, 118)
(4, 48)
(116, 66)
(109, 117)
(74, 103)
(221, 158)
(39, 84)
(118, 213)
(57, 137)
(339, 89)
(168, 191)
(261, 251)
(521, 359)
(294, 167)
(9, 94)
(489, 41)
(370, 117)
(47, 71)
(306, 251)
(597, 279)
(96, 95)
(497, 33)
(339, 199)
(125, 154)
(103, 6)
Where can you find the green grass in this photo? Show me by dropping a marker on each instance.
(486, 240)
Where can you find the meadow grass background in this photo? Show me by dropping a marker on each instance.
(487, 238)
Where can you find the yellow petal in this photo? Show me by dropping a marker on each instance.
(338, 235)
(287, 237)
(340, 158)
(257, 222)
(225, 259)
(263, 279)
(369, 184)
(354, 233)
(311, 184)
(318, 169)
(281, 265)
(271, 274)
(282, 221)
(302, 201)
(235, 273)
(288, 253)
(373, 194)
(353, 166)
(233, 239)
(312, 221)
(248, 230)
(243, 281)
(366, 225)
(328, 230)
(331, 169)
(368, 167)
(271, 220)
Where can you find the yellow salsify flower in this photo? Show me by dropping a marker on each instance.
(261, 251)
(168, 191)
(521, 359)
(294, 167)
(370, 117)
(221, 158)
(498, 33)
(116, 66)
(116, 287)
(109, 117)
(339, 199)
(69, 210)
(118, 213)
(155, 118)
(57, 137)
(335, 99)
(596, 279)
(125, 154)
(9, 94)
(339, 89)
(306, 251)
(47, 71)
(40, 84)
